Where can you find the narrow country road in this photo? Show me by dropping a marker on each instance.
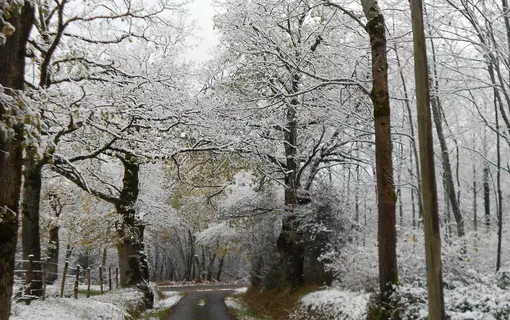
(201, 302)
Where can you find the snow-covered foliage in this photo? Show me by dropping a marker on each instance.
(486, 297)
(220, 232)
(8, 8)
(332, 304)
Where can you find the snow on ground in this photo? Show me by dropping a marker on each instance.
(241, 290)
(238, 308)
(233, 303)
(110, 306)
(479, 298)
(332, 304)
(171, 299)
(484, 298)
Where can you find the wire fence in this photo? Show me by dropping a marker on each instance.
(33, 279)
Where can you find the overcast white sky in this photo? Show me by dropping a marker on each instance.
(202, 12)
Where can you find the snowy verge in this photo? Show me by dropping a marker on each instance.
(169, 301)
(240, 291)
(162, 306)
(332, 304)
(113, 305)
(239, 309)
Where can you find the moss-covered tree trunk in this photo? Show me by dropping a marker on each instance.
(388, 272)
(12, 70)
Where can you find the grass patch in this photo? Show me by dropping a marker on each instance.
(245, 313)
(160, 314)
(275, 304)
(240, 310)
(92, 293)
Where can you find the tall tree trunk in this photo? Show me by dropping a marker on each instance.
(356, 197)
(69, 251)
(429, 187)
(53, 248)
(415, 190)
(437, 112)
(104, 255)
(189, 261)
(417, 174)
(202, 264)
(220, 266)
(53, 251)
(487, 198)
(376, 28)
(12, 70)
(86, 262)
(133, 267)
(498, 182)
(210, 267)
(289, 245)
(447, 215)
(30, 229)
(399, 189)
(475, 199)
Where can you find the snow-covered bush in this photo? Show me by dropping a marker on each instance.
(332, 305)
(325, 230)
(483, 299)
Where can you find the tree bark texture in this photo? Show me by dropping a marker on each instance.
(133, 267)
(475, 200)
(53, 252)
(417, 174)
(30, 229)
(220, 266)
(487, 198)
(289, 243)
(12, 69)
(447, 168)
(429, 187)
(499, 209)
(388, 272)
(210, 267)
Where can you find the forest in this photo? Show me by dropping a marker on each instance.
(343, 159)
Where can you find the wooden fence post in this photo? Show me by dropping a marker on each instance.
(76, 282)
(110, 278)
(44, 275)
(116, 278)
(30, 275)
(101, 278)
(64, 275)
(88, 282)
